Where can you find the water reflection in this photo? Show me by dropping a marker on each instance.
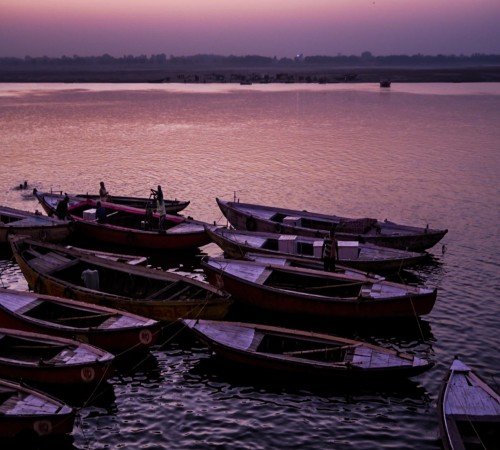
(64, 442)
(212, 370)
(139, 366)
(97, 395)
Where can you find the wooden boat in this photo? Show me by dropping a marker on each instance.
(27, 411)
(111, 329)
(298, 291)
(49, 201)
(251, 217)
(268, 348)
(16, 221)
(41, 358)
(365, 257)
(131, 227)
(469, 411)
(167, 296)
(133, 260)
(385, 83)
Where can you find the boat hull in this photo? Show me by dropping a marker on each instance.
(137, 239)
(87, 374)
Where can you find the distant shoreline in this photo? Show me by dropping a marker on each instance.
(247, 75)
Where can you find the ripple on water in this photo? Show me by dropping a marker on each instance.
(342, 149)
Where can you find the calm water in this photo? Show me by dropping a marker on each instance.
(415, 154)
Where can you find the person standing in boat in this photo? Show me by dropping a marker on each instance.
(160, 207)
(103, 193)
(330, 251)
(100, 213)
(62, 208)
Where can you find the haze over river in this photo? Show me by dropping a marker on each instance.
(415, 153)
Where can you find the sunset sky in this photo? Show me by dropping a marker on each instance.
(265, 27)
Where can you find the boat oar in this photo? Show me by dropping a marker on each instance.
(93, 316)
(331, 286)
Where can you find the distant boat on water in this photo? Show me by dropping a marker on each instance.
(385, 83)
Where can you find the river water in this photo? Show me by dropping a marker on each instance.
(415, 153)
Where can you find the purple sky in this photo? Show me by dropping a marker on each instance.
(265, 27)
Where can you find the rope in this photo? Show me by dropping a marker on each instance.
(417, 320)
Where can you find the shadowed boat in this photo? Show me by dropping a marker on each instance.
(49, 201)
(27, 411)
(125, 226)
(167, 296)
(111, 329)
(298, 291)
(469, 410)
(15, 221)
(41, 358)
(267, 348)
(252, 217)
(365, 257)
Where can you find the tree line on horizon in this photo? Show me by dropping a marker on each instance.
(159, 60)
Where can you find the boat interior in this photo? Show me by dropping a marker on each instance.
(9, 218)
(363, 225)
(24, 349)
(107, 279)
(121, 218)
(478, 432)
(9, 397)
(301, 348)
(315, 285)
(67, 316)
(300, 248)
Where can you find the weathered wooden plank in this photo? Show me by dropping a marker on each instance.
(239, 337)
(18, 303)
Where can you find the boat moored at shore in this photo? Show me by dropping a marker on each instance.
(269, 219)
(327, 295)
(269, 349)
(165, 296)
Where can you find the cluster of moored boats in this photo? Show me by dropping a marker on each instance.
(89, 306)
